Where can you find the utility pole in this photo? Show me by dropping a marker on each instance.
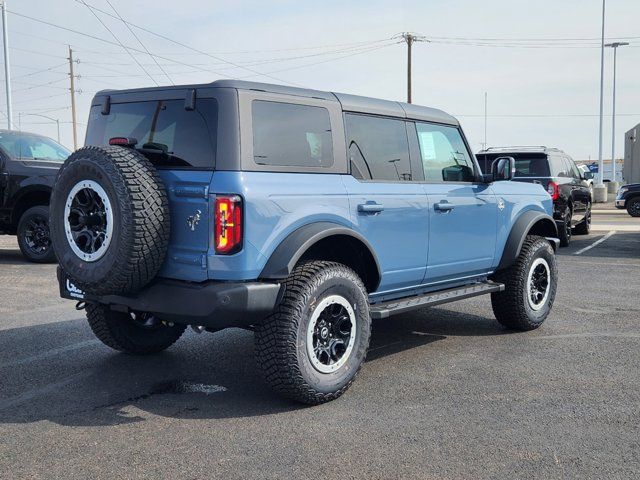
(615, 46)
(7, 72)
(485, 120)
(73, 100)
(600, 161)
(410, 38)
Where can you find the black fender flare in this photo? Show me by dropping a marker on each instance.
(521, 228)
(284, 258)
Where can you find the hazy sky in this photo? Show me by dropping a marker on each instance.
(537, 60)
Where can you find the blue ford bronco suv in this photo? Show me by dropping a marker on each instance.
(300, 215)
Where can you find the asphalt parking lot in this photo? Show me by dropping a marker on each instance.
(445, 392)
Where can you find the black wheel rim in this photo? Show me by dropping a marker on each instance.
(331, 334)
(538, 284)
(36, 235)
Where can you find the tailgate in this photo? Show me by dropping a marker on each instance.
(189, 207)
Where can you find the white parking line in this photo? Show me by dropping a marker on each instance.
(596, 243)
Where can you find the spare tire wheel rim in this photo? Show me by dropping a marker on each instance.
(538, 283)
(88, 220)
(331, 334)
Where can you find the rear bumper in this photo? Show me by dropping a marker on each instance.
(212, 304)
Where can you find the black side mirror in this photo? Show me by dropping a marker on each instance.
(503, 168)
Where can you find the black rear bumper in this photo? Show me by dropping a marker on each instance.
(213, 304)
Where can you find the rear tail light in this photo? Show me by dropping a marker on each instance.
(553, 190)
(228, 224)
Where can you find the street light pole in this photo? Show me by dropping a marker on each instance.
(615, 46)
(57, 120)
(600, 161)
(7, 72)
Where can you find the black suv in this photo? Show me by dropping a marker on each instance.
(558, 174)
(629, 197)
(28, 167)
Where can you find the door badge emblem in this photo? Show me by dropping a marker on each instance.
(500, 204)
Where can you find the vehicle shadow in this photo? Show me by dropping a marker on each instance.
(69, 378)
(11, 256)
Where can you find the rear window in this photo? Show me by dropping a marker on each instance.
(527, 165)
(169, 135)
(291, 135)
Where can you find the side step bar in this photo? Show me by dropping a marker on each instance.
(393, 307)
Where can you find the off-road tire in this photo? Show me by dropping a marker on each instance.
(119, 331)
(564, 230)
(633, 207)
(511, 307)
(584, 227)
(281, 339)
(38, 212)
(141, 225)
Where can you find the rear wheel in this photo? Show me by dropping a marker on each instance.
(633, 207)
(530, 286)
(564, 230)
(135, 333)
(313, 345)
(584, 227)
(34, 239)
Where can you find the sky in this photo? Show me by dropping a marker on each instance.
(537, 61)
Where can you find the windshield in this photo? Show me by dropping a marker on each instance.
(25, 146)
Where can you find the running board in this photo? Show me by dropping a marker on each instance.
(394, 307)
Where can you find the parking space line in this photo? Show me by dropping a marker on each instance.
(596, 243)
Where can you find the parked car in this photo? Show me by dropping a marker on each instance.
(629, 197)
(295, 213)
(559, 175)
(28, 166)
(587, 178)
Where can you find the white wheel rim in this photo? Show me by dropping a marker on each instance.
(324, 349)
(75, 237)
(538, 283)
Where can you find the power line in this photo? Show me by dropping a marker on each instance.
(140, 42)
(115, 37)
(164, 37)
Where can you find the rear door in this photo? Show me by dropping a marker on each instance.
(181, 144)
(463, 213)
(386, 200)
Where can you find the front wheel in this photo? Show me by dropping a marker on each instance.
(584, 227)
(530, 286)
(313, 345)
(633, 207)
(34, 239)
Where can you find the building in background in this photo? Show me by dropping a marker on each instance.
(632, 156)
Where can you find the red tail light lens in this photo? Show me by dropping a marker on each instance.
(228, 224)
(123, 141)
(553, 190)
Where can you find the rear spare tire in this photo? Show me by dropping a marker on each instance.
(109, 220)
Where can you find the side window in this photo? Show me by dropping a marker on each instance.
(444, 155)
(559, 167)
(378, 148)
(573, 169)
(287, 134)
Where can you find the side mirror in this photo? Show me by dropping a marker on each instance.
(587, 175)
(503, 168)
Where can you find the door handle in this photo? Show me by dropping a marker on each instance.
(444, 206)
(372, 207)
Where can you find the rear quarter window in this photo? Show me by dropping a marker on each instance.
(187, 137)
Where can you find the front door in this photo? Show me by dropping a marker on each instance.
(463, 213)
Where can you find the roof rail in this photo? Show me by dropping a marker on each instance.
(518, 147)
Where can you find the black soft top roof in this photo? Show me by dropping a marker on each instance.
(350, 103)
